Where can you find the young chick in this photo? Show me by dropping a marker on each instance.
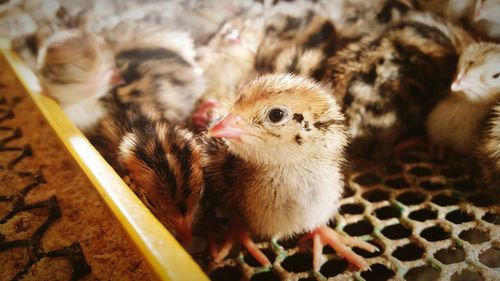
(298, 38)
(455, 122)
(278, 168)
(161, 75)
(164, 163)
(77, 68)
(489, 148)
(161, 162)
(227, 60)
(487, 18)
(388, 82)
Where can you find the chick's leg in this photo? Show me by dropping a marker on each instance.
(238, 233)
(410, 143)
(325, 235)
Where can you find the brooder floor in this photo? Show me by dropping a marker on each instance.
(430, 221)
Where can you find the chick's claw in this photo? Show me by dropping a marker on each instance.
(201, 117)
(237, 233)
(325, 235)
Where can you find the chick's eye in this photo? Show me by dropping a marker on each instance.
(496, 75)
(275, 115)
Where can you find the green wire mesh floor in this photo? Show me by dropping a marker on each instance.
(429, 220)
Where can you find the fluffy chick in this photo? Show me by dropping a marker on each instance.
(487, 18)
(388, 82)
(455, 122)
(77, 68)
(278, 169)
(161, 75)
(489, 147)
(161, 162)
(298, 37)
(227, 60)
(164, 163)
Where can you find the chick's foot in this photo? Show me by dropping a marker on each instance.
(411, 143)
(324, 235)
(201, 117)
(239, 234)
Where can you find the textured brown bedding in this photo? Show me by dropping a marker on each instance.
(60, 220)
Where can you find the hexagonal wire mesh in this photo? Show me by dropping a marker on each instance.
(429, 220)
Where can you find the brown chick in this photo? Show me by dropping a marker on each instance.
(161, 75)
(278, 167)
(388, 82)
(77, 68)
(162, 163)
(165, 168)
(298, 38)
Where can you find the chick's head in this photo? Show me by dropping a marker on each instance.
(282, 118)
(479, 72)
(75, 65)
(164, 165)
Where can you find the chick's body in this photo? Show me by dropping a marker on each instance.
(162, 163)
(276, 200)
(298, 37)
(388, 82)
(279, 170)
(161, 75)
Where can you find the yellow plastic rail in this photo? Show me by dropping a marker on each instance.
(160, 249)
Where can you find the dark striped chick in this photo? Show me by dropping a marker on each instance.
(278, 168)
(161, 75)
(162, 163)
(389, 82)
(298, 37)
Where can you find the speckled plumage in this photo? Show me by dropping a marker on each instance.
(162, 163)
(388, 82)
(298, 37)
(161, 75)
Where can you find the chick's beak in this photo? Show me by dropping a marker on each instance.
(116, 78)
(227, 128)
(457, 85)
(183, 230)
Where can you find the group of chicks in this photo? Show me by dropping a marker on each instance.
(257, 120)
